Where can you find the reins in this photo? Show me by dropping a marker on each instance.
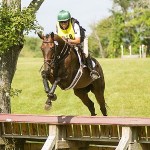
(46, 60)
(63, 54)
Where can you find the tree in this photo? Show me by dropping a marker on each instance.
(14, 22)
(134, 26)
(100, 37)
(124, 5)
(129, 24)
(96, 37)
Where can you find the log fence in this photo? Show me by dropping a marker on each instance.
(33, 132)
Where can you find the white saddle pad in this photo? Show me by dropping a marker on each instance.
(93, 64)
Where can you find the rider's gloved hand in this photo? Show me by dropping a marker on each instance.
(65, 39)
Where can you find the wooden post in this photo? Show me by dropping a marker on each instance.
(143, 51)
(51, 140)
(140, 51)
(125, 139)
(121, 51)
(133, 145)
(130, 49)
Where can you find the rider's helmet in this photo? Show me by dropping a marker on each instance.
(63, 15)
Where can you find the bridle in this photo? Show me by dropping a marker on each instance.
(46, 61)
(59, 58)
(63, 53)
(49, 62)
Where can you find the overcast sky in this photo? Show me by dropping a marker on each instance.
(86, 11)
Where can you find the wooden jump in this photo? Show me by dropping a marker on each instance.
(34, 132)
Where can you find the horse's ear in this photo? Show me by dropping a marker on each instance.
(52, 35)
(40, 34)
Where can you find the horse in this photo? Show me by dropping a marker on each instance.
(63, 67)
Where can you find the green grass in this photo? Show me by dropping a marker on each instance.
(127, 90)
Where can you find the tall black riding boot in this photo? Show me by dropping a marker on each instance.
(93, 73)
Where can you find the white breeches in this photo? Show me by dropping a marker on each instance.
(85, 47)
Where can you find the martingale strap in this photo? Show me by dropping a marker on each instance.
(78, 75)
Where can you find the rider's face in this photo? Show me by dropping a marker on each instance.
(64, 24)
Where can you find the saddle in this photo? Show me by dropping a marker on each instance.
(79, 48)
(80, 55)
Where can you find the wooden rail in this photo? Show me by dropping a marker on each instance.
(33, 132)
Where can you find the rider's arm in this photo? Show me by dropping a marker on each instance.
(77, 35)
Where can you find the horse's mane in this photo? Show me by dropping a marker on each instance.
(58, 38)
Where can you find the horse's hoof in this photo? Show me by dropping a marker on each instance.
(47, 107)
(93, 114)
(48, 104)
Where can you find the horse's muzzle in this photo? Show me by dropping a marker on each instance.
(45, 74)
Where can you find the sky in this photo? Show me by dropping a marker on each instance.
(86, 11)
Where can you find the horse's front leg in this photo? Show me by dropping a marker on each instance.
(48, 103)
(51, 96)
(45, 81)
(52, 90)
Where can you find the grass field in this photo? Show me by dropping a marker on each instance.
(127, 90)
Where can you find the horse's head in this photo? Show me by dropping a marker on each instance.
(47, 48)
(54, 48)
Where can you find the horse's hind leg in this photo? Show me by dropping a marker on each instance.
(101, 101)
(98, 91)
(82, 94)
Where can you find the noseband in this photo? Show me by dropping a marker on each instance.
(63, 53)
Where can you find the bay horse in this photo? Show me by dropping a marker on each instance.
(63, 67)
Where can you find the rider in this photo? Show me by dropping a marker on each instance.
(65, 29)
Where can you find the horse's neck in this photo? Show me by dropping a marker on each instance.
(63, 45)
(59, 40)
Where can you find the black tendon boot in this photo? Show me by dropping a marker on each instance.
(55, 70)
(93, 73)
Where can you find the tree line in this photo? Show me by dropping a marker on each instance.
(128, 25)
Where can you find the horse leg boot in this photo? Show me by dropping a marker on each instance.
(51, 94)
(93, 73)
(45, 81)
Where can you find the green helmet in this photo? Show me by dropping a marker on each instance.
(63, 15)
